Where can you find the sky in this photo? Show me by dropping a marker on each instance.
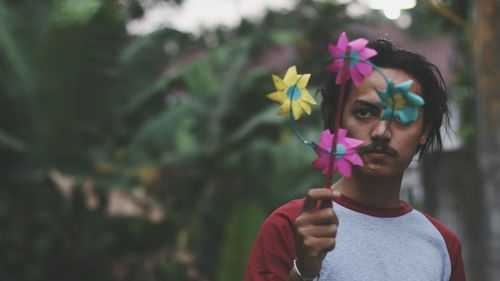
(193, 15)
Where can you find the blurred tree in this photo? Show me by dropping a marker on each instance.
(486, 48)
(61, 101)
(475, 193)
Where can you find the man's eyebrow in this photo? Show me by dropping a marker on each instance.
(365, 103)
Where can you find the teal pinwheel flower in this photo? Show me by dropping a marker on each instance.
(398, 102)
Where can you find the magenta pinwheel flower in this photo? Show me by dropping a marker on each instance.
(358, 68)
(345, 157)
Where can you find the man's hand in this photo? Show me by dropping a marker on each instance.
(316, 228)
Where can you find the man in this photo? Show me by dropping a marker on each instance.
(369, 234)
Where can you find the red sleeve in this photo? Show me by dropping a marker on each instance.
(454, 250)
(273, 251)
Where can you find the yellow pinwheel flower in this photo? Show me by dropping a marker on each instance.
(292, 91)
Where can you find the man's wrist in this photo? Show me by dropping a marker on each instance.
(298, 272)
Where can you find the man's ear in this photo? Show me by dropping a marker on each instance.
(425, 135)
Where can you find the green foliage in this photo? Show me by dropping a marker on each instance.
(76, 89)
(464, 97)
(72, 12)
(82, 96)
(246, 217)
(60, 108)
(47, 237)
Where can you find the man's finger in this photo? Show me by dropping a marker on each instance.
(323, 216)
(319, 231)
(315, 194)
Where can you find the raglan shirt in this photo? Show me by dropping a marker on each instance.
(372, 244)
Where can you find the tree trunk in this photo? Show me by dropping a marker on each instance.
(486, 44)
(453, 195)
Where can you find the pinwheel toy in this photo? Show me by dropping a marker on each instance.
(350, 61)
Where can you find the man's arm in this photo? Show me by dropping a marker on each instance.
(316, 229)
(297, 223)
(274, 248)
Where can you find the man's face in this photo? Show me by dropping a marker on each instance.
(361, 119)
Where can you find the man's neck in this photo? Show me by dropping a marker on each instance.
(380, 192)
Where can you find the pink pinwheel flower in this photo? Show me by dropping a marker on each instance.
(345, 157)
(358, 68)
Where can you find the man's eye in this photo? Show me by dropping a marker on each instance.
(363, 113)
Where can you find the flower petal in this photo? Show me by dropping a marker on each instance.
(317, 164)
(291, 76)
(354, 159)
(335, 66)
(278, 96)
(357, 77)
(414, 99)
(403, 118)
(388, 114)
(305, 106)
(364, 68)
(410, 114)
(342, 77)
(383, 97)
(321, 163)
(352, 143)
(343, 41)
(297, 110)
(405, 86)
(325, 140)
(327, 170)
(303, 79)
(358, 44)
(285, 107)
(341, 163)
(344, 167)
(341, 135)
(278, 83)
(367, 53)
(306, 96)
(334, 51)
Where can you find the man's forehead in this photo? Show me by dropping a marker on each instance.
(367, 90)
(365, 102)
(397, 76)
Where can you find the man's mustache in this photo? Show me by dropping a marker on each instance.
(378, 146)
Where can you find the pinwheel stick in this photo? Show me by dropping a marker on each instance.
(338, 117)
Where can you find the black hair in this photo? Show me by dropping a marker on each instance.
(429, 77)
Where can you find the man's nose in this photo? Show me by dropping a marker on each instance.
(382, 131)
